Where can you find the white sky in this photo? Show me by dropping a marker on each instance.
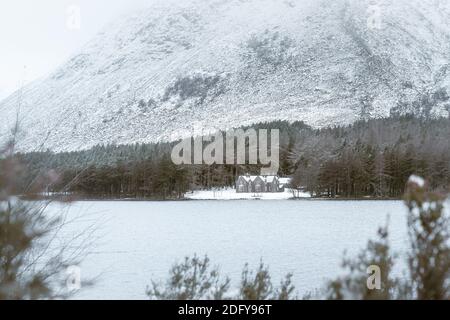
(35, 38)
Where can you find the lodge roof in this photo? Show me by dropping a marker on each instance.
(268, 179)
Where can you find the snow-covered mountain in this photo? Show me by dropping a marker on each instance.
(226, 63)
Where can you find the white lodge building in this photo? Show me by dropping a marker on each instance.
(260, 184)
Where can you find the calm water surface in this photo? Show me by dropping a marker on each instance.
(135, 242)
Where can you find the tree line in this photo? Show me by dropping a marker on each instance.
(370, 158)
(373, 158)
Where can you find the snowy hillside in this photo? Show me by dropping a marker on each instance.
(223, 63)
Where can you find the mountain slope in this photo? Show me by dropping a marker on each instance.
(174, 68)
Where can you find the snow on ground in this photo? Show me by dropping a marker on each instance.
(231, 194)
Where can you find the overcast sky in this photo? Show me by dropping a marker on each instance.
(38, 35)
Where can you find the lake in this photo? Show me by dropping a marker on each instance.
(135, 242)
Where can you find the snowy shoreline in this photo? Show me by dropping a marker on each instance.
(208, 195)
(231, 194)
